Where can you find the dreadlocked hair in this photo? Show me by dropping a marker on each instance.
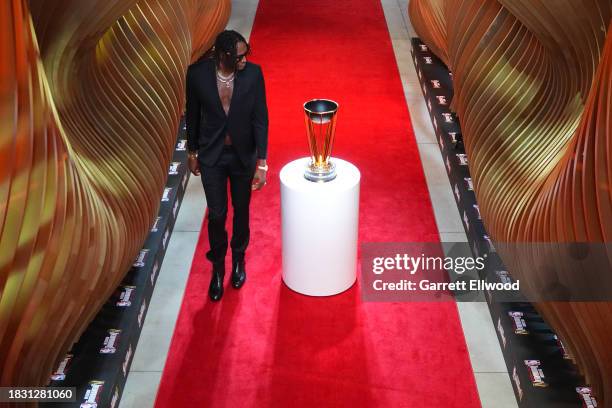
(225, 44)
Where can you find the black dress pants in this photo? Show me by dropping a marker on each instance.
(214, 180)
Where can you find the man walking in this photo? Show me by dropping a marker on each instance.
(227, 138)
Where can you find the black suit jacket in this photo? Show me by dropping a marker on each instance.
(246, 122)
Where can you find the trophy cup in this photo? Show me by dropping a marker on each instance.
(320, 118)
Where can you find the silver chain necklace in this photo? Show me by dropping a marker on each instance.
(226, 80)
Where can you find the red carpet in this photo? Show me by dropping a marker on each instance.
(268, 346)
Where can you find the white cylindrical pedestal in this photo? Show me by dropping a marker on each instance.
(319, 229)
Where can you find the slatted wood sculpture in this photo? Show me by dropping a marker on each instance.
(533, 91)
(91, 96)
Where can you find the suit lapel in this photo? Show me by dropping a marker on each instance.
(236, 93)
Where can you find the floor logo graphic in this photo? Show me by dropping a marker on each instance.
(536, 375)
(92, 394)
(60, 373)
(110, 342)
(166, 195)
(518, 323)
(125, 297)
(142, 258)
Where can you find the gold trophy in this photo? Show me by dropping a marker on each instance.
(320, 118)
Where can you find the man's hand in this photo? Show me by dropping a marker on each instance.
(194, 165)
(259, 179)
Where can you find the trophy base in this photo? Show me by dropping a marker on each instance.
(319, 175)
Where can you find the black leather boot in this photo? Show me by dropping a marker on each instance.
(215, 290)
(238, 274)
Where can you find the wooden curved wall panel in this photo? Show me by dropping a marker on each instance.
(533, 91)
(429, 21)
(91, 96)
